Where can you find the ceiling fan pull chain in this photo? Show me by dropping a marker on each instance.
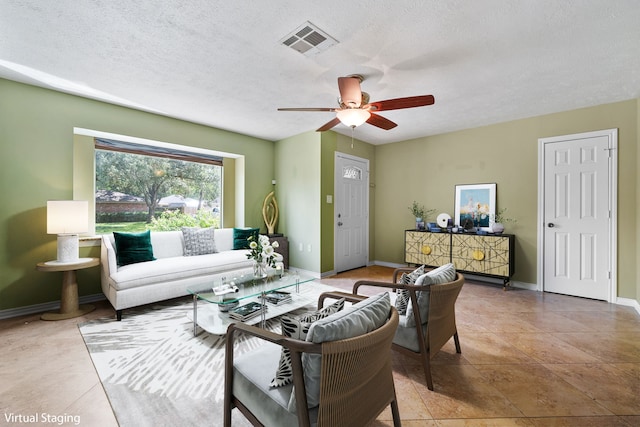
(353, 129)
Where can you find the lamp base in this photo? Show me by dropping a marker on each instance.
(68, 248)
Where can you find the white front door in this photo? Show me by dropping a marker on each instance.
(577, 214)
(351, 212)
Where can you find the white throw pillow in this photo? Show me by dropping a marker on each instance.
(198, 241)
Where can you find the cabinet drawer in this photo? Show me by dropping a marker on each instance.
(490, 255)
(432, 249)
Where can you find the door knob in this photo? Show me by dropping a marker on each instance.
(551, 225)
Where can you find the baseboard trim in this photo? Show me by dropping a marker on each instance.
(55, 305)
(514, 284)
(388, 264)
(327, 274)
(494, 281)
(629, 302)
(47, 306)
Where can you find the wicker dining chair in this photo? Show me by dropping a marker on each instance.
(356, 379)
(437, 329)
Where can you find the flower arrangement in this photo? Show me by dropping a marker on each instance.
(501, 218)
(419, 211)
(262, 251)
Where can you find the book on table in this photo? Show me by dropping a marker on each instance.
(278, 297)
(246, 311)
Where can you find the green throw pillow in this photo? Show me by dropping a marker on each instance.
(240, 236)
(132, 248)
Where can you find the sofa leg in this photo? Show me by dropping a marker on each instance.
(119, 315)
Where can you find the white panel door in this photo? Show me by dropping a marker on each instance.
(577, 216)
(351, 211)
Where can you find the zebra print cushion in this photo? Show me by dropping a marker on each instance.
(402, 299)
(297, 328)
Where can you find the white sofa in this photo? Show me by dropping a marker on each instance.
(171, 273)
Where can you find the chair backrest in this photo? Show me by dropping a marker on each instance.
(356, 377)
(441, 324)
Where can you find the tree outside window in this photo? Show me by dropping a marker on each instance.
(136, 192)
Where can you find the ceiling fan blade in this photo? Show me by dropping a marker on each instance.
(400, 103)
(381, 122)
(308, 109)
(350, 93)
(328, 125)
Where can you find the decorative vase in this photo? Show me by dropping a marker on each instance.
(259, 269)
(419, 223)
(497, 228)
(226, 306)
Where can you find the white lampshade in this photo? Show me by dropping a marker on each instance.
(353, 117)
(67, 218)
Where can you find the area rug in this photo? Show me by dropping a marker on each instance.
(156, 373)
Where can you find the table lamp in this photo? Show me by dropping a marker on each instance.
(67, 218)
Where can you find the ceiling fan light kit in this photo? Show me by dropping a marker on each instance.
(355, 109)
(353, 117)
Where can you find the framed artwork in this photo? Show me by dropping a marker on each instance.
(475, 206)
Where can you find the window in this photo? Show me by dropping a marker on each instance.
(141, 187)
(352, 172)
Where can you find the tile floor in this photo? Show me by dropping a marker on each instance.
(528, 359)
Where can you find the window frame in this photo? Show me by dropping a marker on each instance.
(84, 173)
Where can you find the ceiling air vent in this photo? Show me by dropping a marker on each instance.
(308, 39)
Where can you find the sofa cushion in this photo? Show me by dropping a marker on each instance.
(251, 384)
(132, 248)
(177, 268)
(297, 328)
(358, 319)
(240, 236)
(198, 241)
(405, 336)
(443, 274)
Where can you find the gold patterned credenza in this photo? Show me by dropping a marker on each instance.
(488, 255)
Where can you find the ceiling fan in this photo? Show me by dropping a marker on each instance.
(355, 108)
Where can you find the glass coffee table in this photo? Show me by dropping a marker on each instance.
(244, 288)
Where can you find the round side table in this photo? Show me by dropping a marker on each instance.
(69, 306)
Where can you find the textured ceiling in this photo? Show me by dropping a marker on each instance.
(221, 63)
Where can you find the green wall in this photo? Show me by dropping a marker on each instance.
(36, 133)
(637, 205)
(331, 143)
(327, 165)
(298, 193)
(36, 165)
(427, 170)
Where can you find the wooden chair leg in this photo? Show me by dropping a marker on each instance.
(227, 407)
(457, 341)
(227, 412)
(426, 365)
(395, 413)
